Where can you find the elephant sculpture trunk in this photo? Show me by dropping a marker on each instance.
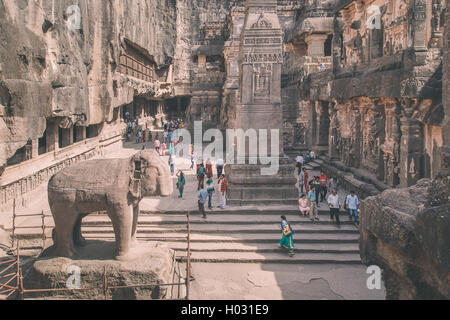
(113, 185)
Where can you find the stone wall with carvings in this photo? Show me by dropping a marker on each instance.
(383, 93)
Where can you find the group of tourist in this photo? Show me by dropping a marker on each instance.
(207, 171)
(133, 128)
(351, 204)
(317, 189)
(206, 194)
(206, 189)
(305, 158)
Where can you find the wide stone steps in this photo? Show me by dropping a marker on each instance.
(265, 247)
(216, 228)
(288, 211)
(239, 237)
(215, 218)
(281, 257)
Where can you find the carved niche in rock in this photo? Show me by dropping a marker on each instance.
(373, 138)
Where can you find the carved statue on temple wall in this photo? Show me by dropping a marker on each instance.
(436, 17)
(373, 137)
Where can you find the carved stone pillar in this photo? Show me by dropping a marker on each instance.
(333, 152)
(259, 108)
(80, 133)
(445, 150)
(34, 148)
(322, 123)
(411, 146)
(52, 136)
(417, 35)
(67, 137)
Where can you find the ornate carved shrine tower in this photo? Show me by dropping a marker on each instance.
(259, 108)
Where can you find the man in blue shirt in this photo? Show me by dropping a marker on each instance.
(202, 198)
(352, 204)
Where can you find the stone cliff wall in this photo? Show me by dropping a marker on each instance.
(406, 232)
(61, 63)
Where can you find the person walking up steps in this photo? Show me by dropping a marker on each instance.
(201, 176)
(181, 183)
(299, 162)
(172, 164)
(316, 185)
(323, 180)
(306, 174)
(202, 198)
(301, 182)
(219, 166)
(287, 239)
(210, 189)
(352, 205)
(209, 169)
(223, 185)
(335, 206)
(192, 160)
(312, 197)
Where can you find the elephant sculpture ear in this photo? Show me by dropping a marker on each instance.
(135, 179)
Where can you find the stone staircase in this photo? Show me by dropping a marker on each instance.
(235, 235)
(242, 236)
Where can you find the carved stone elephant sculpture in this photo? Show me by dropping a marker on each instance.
(113, 185)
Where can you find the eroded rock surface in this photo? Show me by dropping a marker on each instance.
(407, 233)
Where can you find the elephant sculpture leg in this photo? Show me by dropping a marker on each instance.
(78, 238)
(64, 226)
(122, 220)
(134, 241)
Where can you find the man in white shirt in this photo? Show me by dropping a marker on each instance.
(299, 162)
(335, 206)
(352, 204)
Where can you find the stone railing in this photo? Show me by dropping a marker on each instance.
(313, 64)
(305, 66)
(21, 179)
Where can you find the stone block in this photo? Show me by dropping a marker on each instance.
(406, 233)
(151, 263)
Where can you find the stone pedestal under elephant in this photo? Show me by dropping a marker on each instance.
(113, 185)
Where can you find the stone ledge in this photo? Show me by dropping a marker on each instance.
(152, 263)
(351, 179)
(407, 233)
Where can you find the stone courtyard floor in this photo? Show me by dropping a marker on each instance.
(256, 281)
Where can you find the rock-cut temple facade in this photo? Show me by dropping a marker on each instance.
(363, 83)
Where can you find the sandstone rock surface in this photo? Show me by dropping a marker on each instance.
(407, 233)
(153, 264)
